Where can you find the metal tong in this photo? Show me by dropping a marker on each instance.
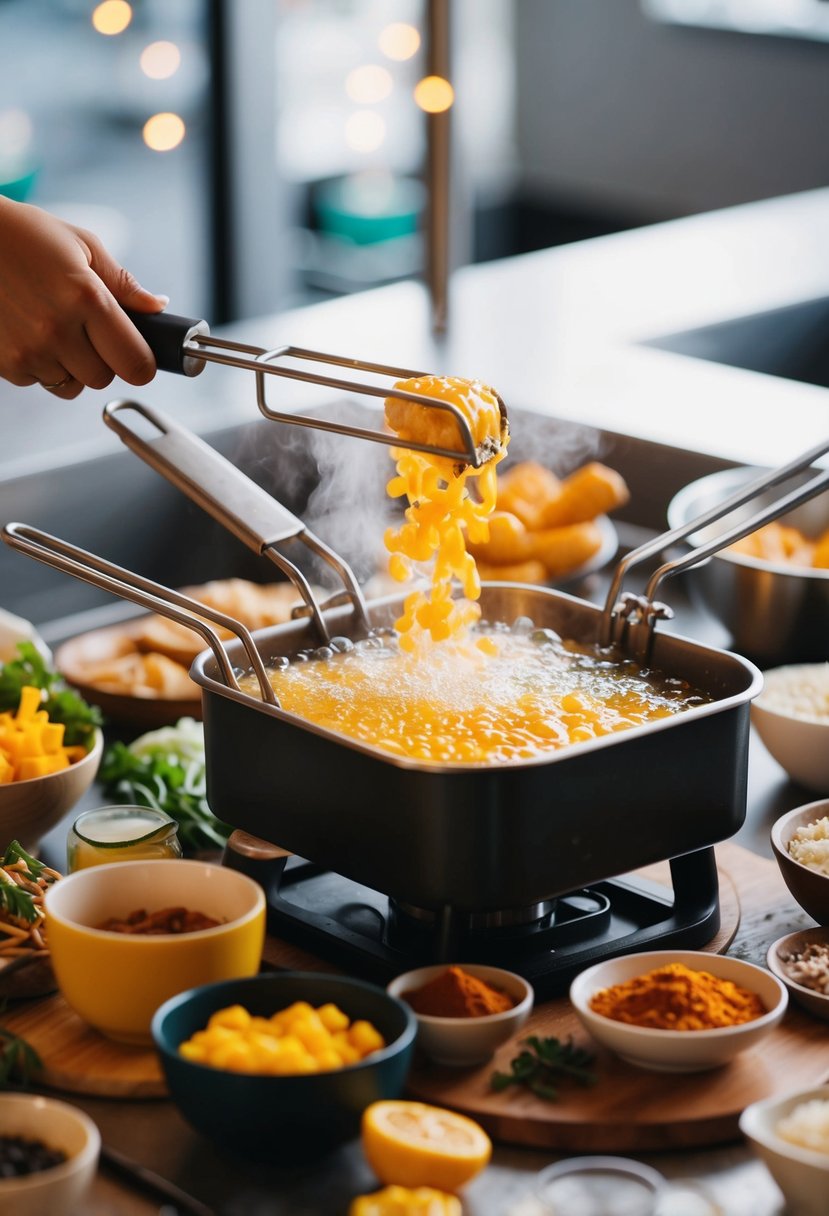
(628, 620)
(184, 345)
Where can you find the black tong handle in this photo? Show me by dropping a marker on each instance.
(167, 337)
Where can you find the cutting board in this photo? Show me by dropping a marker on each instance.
(76, 1059)
(630, 1109)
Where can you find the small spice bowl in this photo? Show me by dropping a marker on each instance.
(782, 950)
(808, 886)
(677, 1050)
(801, 1173)
(464, 1042)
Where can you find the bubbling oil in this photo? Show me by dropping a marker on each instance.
(526, 693)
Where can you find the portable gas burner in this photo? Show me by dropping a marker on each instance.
(548, 942)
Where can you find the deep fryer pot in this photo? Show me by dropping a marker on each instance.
(475, 837)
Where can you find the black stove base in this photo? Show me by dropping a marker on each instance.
(366, 934)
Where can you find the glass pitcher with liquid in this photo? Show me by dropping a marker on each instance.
(121, 833)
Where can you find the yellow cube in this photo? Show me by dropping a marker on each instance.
(235, 1017)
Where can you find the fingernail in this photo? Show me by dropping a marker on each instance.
(163, 300)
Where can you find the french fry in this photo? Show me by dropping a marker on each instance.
(566, 548)
(591, 490)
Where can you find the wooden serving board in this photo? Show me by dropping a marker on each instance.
(631, 1109)
(76, 1059)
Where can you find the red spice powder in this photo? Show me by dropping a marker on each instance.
(457, 994)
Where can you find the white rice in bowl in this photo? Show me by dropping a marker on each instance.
(799, 691)
(807, 1126)
(810, 845)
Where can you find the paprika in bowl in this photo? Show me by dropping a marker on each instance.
(464, 1011)
(678, 1010)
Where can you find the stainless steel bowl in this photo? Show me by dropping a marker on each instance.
(776, 613)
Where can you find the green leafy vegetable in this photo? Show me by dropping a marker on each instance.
(165, 769)
(61, 703)
(18, 1059)
(543, 1064)
(15, 852)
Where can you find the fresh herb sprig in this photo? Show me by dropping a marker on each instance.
(19, 1062)
(165, 770)
(15, 900)
(61, 703)
(543, 1064)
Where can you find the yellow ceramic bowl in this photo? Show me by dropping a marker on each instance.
(116, 981)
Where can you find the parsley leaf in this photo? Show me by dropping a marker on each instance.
(543, 1064)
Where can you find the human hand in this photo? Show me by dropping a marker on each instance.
(62, 297)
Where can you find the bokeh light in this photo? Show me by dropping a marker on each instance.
(112, 17)
(399, 41)
(368, 84)
(163, 132)
(16, 132)
(365, 131)
(434, 94)
(160, 60)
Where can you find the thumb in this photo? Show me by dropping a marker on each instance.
(122, 283)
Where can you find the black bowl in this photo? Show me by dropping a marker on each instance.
(276, 1118)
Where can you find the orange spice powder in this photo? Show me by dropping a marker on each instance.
(676, 998)
(457, 994)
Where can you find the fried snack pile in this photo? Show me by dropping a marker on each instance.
(542, 528)
(152, 658)
(442, 513)
(778, 542)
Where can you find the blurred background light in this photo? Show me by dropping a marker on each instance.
(365, 131)
(160, 60)
(368, 84)
(399, 41)
(434, 94)
(163, 132)
(112, 17)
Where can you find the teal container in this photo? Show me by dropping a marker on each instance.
(281, 1119)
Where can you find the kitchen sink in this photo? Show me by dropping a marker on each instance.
(791, 342)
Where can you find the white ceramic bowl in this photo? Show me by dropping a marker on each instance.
(816, 1002)
(808, 886)
(136, 973)
(802, 1174)
(29, 809)
(465, 1042)
(798, 740)
(60, 1190)
(677, 1050)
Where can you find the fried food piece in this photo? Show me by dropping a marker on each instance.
(566, 548)
(438, 427)
(820, 556)
(591, 490)
(531, 571)
(509, 541)
(142, 675)
(526, 490)
(776, 542)
(253, 604)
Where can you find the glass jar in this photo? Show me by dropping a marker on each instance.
(121, 833)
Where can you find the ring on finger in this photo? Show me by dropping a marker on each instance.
(58, 383)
